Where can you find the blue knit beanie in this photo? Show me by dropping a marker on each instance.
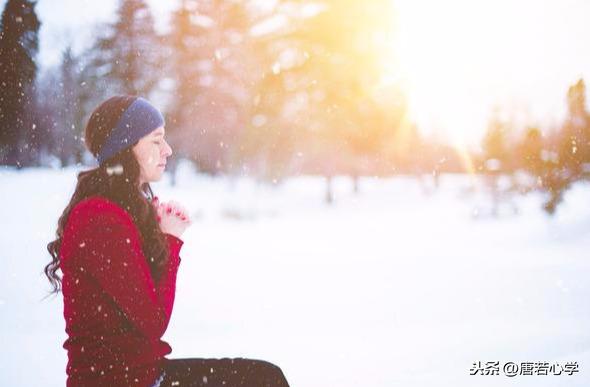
(138, 120)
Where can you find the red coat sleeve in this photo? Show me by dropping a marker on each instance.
(110, 252)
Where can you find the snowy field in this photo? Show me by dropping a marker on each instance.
(394, 286)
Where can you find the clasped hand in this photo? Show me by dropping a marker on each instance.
(173, 217)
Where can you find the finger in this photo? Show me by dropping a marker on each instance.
(178, 211)
(184, 210)
(177, 205)
(176, 208)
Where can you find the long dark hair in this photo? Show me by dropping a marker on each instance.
(117, 179)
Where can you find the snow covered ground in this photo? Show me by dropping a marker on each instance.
(390, 287)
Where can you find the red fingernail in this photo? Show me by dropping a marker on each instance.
(169, 210)
(183, 218)
(159, 218)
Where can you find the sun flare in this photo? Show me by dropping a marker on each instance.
(459, 58)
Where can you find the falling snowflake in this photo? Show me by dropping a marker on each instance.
(276, 68)
(116, 169)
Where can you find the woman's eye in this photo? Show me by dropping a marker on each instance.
(157, 142)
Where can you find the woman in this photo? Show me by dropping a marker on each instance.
(118, 249)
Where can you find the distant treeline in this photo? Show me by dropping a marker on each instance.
(269, 92)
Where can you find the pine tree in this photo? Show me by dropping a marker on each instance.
(72, 91)
(210, 68)
(495, 145)
(19, 45)
(531, 151)
(65, 102)
(49, 105)
(574, 148)
(70, 128)
(182, 46)
(128, 57)
(315, 100)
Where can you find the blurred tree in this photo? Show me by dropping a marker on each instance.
(268, 144)
(573, 148)
(211, 69)
(181, 46)
(19, 42)
(48, 97)
(75, 109)
(495, 146)
(69, 87)
(126, 58)
(316, 108)
(66, 99)
(496, 159)
(530, 153)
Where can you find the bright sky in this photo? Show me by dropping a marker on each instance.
(459, 58)
(72, 21)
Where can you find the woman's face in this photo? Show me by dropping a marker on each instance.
(151, 153)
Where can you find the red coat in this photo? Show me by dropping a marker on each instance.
(115, 314)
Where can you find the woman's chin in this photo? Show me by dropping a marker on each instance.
(157, 176)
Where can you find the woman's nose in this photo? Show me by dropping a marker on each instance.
(167, 150)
